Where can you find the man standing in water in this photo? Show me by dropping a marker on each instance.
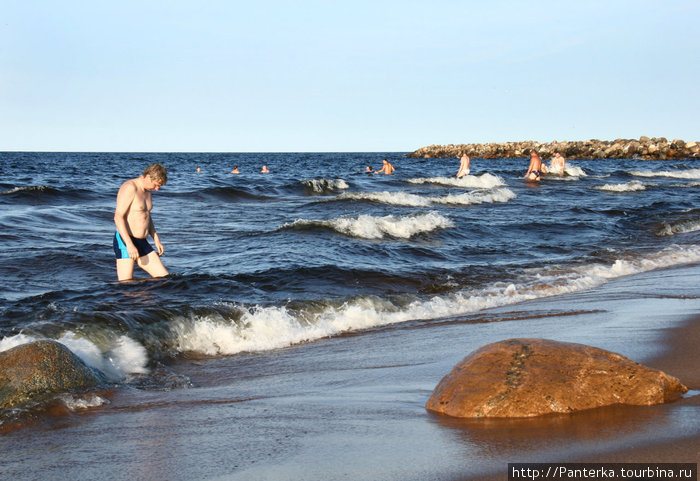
(134, 224)
(534, 171)
(387, 168)
(463, 166)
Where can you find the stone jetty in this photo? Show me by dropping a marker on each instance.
(655, 148)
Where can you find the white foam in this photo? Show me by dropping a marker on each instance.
(264, 328)
(123, 357)
(371, 227)
(483, 181)
(575, 171)
(31, 188)
(478, 197)
(75, 403)
(259, 329)
(412, 200)
(325, 185)
(675, 174)
(632, 186)
(681, 227)
(7, 343)
(392, 198)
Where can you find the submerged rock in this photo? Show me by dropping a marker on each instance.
(35, 371)
(531, 377)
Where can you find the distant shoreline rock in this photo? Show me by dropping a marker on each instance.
(532, 377)
(643, 148)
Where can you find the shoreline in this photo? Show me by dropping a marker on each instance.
(318, 411)
(645, 148)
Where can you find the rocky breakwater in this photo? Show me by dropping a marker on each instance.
(532, 377)
(643, 148)
(35, 372)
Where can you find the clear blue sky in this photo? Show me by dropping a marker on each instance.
(360, 75)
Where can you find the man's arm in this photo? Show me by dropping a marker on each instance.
(156, 238)
(125, 197)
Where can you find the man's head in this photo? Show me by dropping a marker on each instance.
(157, 174)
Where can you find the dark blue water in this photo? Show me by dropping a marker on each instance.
(317, 247)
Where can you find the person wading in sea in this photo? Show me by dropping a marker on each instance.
(463, 166)
(534, 171)
(387, 168)
(134, 224)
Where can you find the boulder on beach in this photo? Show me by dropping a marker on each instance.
(35, 371)
(532, 377)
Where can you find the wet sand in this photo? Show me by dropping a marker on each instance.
(681, 356)
(352, 407)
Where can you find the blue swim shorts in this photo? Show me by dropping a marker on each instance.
(120, 251)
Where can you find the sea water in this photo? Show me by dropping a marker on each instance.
(317, 247)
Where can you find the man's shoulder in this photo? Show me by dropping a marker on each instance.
(130, 184)
(129, 188)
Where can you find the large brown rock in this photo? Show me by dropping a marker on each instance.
(38, 370)
(531, 377)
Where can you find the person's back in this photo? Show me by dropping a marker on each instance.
(534, 171)
(463, 166)
(387, 168)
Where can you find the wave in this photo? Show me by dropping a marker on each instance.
(370, 227)
(43, 192)
(43, 189)
(483, 181)
(120, 359)
(230, 328)
(413, 200)
(229, 193)
(680, 227)
(473, 198)
(632, 186)
(392, 198)
(265, 328)
(675, 174)
(320, 186)
(575, 171)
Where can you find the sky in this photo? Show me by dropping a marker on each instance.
(343, 76)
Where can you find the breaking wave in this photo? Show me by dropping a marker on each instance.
(119, 360)
(483, 181)
(235, 328)
(675, 174)
(680, 227)
(264, 328)
(370, 227)
(632, 186)
(320, 186)
(575, 171)
(413, 200)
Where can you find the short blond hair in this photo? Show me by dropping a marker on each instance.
(157, 173)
